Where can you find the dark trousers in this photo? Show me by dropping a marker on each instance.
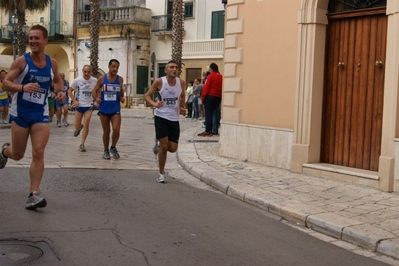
(216, 121)
(189, 109)
(210, 104)
(195, 107)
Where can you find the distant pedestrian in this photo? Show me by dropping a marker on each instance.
(197, 90)
(189, 99)
(51, 104)
(80, 93)
(4, 99)
(62, 107)
(108, 93)
(29, 79)
(200, 103)
(171, 91)
(211, 97)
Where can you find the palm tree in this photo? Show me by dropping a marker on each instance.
(177, 32)
(19, 7)
(31, 5)
(94, 34)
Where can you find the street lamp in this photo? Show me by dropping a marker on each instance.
(14, 36)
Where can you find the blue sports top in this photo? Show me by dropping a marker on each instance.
(110, 96)
(28, 104)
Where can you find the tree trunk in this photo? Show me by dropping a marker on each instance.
(177, 32)
(94, 34)
(22, 36)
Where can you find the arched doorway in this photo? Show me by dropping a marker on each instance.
(354, 83)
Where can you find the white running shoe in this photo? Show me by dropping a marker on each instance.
(115, 153)
(161, 178)
(3, 160)
(156, 147)
(34, 201)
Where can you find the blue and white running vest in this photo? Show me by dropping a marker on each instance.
(28, 104)
(110, 96)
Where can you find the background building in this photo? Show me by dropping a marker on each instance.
(203, 41)
(58, 19)
(125, 36)
(312, 86)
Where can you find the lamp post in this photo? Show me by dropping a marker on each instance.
(14, 36)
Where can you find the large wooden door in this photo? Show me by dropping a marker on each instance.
(353, 89)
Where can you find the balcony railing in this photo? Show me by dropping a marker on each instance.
(203, 49)
(120, 14)
(53, 27)
(161, 23)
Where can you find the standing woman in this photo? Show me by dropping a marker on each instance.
(190, 97)
(197, 90)
(108, 93)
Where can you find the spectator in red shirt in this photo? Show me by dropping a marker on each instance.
(211, 97)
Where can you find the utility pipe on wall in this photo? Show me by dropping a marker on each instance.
(127, 68)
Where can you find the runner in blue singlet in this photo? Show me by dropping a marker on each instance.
(29, 80)
(108, 93)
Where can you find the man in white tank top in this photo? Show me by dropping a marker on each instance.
(80, 93)
(170, 92)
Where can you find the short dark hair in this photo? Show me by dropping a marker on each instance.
(170, 62)
(112, 61)
(214, 67)
(41, 28)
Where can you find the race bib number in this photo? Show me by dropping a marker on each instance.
(170, 102)
(35, 97)
(85, 95)
(109, 96)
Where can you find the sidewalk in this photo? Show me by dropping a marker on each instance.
(360, 215)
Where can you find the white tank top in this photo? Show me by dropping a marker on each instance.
(83, 90)
(170, 96)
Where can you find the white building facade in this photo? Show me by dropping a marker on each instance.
(203, 41)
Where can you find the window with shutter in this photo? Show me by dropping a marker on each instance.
(217, 30)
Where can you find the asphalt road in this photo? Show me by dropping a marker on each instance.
(123, 217)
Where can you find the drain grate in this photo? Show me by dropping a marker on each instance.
(203, 140)
(26, 253)
(13, 254)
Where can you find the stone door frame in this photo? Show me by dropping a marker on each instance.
(312, 21)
